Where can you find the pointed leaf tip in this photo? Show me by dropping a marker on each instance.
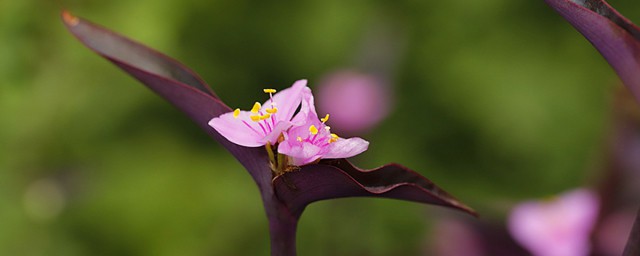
(69, 19)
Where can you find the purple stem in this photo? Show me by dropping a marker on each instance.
(282, 226)
(282, 221)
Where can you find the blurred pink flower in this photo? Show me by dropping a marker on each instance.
(558, 227)
(357, 102)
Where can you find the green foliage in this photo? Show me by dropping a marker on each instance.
(495, 101)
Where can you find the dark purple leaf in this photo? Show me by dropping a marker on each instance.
(633, 244)
(172, 81)
(339, 178)
(617, 39)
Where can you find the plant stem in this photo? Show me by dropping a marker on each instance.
(282, 229)
(282, 224)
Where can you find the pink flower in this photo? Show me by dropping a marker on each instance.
(264, 122)
(304, 138)
(311, 139)
(560, 227)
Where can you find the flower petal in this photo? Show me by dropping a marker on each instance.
(307, 109)
(238, 130)
(345, 148)
(287, 100)
(301, 153)
(339, 178)
(272, 137)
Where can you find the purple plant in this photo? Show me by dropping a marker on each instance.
(286, 189)
(618, 40)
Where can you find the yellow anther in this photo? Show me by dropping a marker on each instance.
(256, 107)
(236, 113)
(313, 130)
(333, 138)
(272, 110)
(255, 118)
(269, 90)
(265, 116)
(324, 120)
(299, 139)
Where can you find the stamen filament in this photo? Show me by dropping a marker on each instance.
(273, 106)
(266, 122)
(250, 127)
(264, 130)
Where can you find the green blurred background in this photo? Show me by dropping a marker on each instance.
(496, 101)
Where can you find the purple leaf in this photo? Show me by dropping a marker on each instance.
(617, 39)
(339, 178)
(172, 81)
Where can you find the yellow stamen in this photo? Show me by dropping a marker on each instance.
(269, 90)
(255, 118)
(256, 107)
(333, 138)
(236, 113)
(299, 139)
(272, 110)
(265, 116)
(324, 120)
(313, 130)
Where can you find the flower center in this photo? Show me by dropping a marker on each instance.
(319, 137)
